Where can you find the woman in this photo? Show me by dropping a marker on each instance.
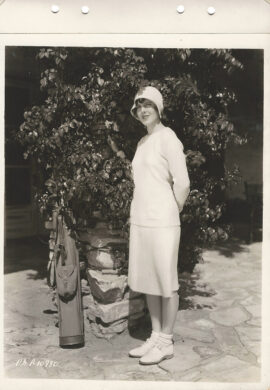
(161, 188)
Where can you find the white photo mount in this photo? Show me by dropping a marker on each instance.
(146, 23)
(130, 17)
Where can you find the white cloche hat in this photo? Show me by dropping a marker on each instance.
(152, 94)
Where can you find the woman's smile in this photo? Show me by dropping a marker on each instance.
(145, 116)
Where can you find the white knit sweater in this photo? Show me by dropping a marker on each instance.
(161, 180)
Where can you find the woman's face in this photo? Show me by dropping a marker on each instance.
(147, 112)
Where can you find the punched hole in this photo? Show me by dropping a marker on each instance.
(85, 9)
(211, 10)
(180, 9)
(55, 8)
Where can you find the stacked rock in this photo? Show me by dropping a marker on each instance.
(111, 307)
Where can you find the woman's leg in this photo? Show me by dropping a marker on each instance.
(154, 306)
(163, 349)
(169, 312)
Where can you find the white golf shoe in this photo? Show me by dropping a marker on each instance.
(160, 351)
(145, 347)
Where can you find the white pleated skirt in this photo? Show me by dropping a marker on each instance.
(153, 257)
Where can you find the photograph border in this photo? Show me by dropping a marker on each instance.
(230, 41)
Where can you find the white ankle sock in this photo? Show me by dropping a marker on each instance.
(166, 335)
(166, 338)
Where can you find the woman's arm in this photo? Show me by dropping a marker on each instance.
(173, 151)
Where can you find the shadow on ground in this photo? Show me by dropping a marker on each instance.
(190, 287)
(29, 253)
(230, 248)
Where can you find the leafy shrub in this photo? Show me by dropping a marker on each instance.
(83, 136)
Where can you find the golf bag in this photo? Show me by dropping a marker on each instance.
(68, 287)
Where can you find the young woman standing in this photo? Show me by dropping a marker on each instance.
(161, 188)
